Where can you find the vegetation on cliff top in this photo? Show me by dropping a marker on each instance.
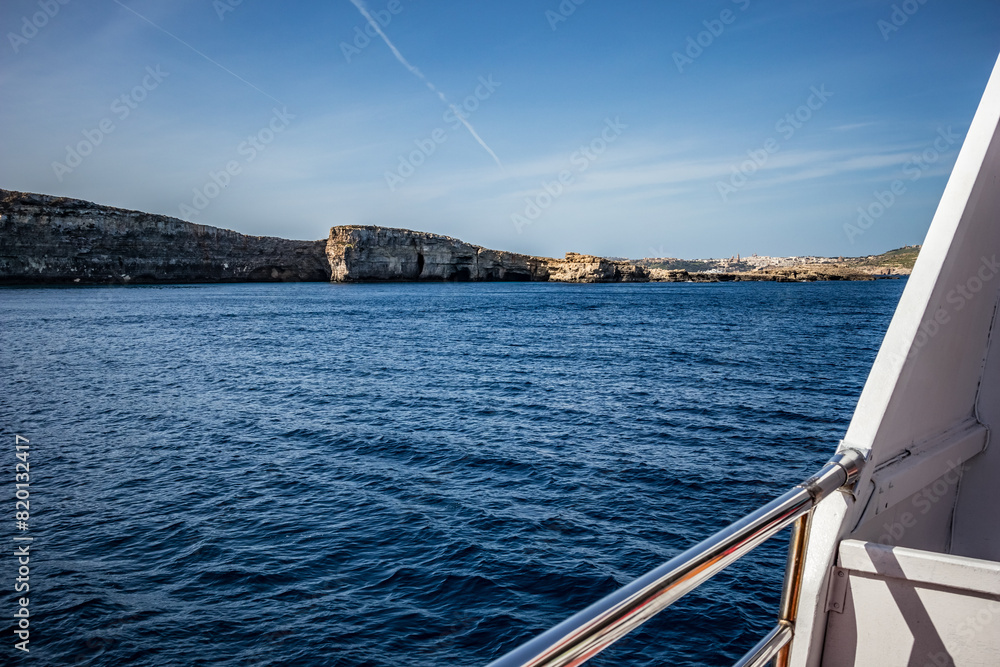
(902, 258)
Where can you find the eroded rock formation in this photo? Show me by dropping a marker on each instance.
(45, 239)
(366, 253)
(576, 268)
(360, 253)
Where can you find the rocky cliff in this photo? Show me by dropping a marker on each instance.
(576, 268)
(367, 253)
(360, 253)
(45, 239)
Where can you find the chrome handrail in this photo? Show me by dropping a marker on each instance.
(768, 647)
(584, 635)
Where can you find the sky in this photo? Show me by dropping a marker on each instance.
(625, 129)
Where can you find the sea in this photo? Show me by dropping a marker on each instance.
(405, 474)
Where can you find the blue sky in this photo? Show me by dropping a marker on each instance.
(614, 131)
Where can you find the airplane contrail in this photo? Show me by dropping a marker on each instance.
(420, 75)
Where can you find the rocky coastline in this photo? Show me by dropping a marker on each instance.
(367, 253)
(57, 240)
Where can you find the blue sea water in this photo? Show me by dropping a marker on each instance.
(407, 474)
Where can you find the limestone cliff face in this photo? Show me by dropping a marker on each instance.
(578, 268)
(368, 253)
(45, 239)
(360, 253)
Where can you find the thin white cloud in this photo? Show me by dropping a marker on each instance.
(636, 172)
(420, 75)
(851, 126)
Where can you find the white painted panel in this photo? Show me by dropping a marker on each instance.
(893, 623)
(918, 467)
(977, 515)
(921, 521)
(922, 567)
(905, 607)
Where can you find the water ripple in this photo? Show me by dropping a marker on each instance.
(410, 474)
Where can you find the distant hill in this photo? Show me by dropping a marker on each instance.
(898, 262)
(902, 258)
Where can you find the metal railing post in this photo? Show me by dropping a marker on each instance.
(793, 583)
(584, 635)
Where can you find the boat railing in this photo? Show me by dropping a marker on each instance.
(582, 636)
